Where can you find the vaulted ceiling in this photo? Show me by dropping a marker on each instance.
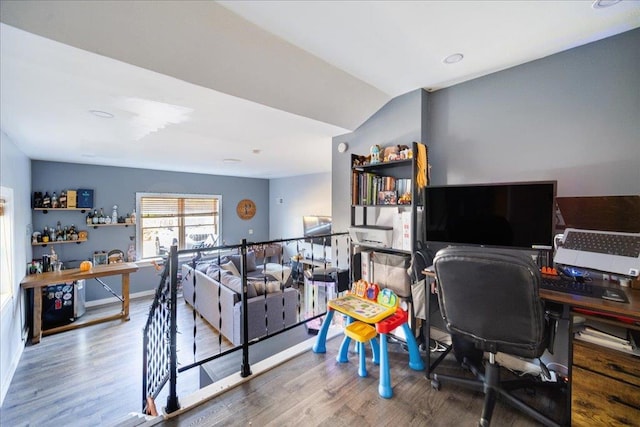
(252, 88)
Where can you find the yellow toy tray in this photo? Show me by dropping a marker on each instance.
(361, 309)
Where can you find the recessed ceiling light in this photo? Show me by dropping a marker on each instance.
(231, 160)
(601, 4)
(256, 151)
(101, 114)
(452, 59)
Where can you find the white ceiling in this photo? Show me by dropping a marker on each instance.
(191, 83)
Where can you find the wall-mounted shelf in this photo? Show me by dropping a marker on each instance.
(44, 244)
(119, 224)
(46, 210)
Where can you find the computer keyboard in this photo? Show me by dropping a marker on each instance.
(611, 252)
(585, 288)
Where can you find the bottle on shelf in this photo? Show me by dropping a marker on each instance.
(101, 217)
(46, 200)
(95, 218)
(89, 218)
(63, 199)
(54, 201)
(133, 217)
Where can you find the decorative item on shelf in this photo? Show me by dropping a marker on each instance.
(121, 220)
(387, 198)
(405, 152)
(99, 258)
(375, 154)
(72, 199)
(85, 198)
(133, 217)
(114, 214)
(391, 153)
(127, 220)
(54, 201)
(83, 235)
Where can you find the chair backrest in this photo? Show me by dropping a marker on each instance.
(491, 296)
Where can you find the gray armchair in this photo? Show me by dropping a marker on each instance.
(490, 296)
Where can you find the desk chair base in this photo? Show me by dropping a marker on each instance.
(489, 383)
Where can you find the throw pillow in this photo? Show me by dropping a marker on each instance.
(251, 261)
(235, 284)
(202, 266)
(270, 287)
(230, 267)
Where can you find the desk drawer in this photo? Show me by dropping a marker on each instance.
(605, 386)
(607, 362)
(599, 400)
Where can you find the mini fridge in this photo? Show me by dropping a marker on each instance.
(62, 303)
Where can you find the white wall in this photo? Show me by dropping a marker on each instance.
(15, 173)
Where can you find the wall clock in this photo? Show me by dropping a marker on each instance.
(246, 209)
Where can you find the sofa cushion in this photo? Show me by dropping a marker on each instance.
(251, 261)
(202, 266)
(235, 284)
(230, 267)
(270, 286)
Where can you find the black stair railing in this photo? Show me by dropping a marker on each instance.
(160, 362)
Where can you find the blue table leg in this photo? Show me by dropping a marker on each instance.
(343, 353)
(415, 362)
(362, 367)
(321, 342)
(384, 388)
(375, 349)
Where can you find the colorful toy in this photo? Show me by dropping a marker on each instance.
(372, 291)
(387, 298)
(375, 154)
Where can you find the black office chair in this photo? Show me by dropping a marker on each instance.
(490, 296)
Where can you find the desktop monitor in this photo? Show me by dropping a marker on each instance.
(514, 215)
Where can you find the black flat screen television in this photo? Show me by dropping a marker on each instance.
(317, 225)
(517, 215)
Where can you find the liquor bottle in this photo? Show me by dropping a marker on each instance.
(89, 218)
(101, 217)
(54, 201)
(46, 200)
(63, 199)
(95, 218)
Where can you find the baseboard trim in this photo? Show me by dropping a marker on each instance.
(112, 300)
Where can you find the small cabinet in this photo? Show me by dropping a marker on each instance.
(605, 386)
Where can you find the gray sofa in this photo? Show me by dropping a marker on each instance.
(218, 298)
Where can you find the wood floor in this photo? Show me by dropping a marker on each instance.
(92, 377)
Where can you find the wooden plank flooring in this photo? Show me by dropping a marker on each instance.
(92, 377)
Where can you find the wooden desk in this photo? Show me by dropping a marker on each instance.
(38, 281)
(604, 383)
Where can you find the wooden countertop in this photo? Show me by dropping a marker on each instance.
(54, 277)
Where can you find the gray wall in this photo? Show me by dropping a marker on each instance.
(573, 117)
(300, 195)
(15, 173)
(113, 185)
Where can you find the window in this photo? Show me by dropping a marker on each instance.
(6, 245)
(187, 220)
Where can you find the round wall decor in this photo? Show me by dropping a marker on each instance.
(246, 209)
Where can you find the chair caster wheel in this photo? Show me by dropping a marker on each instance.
(435, 384)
